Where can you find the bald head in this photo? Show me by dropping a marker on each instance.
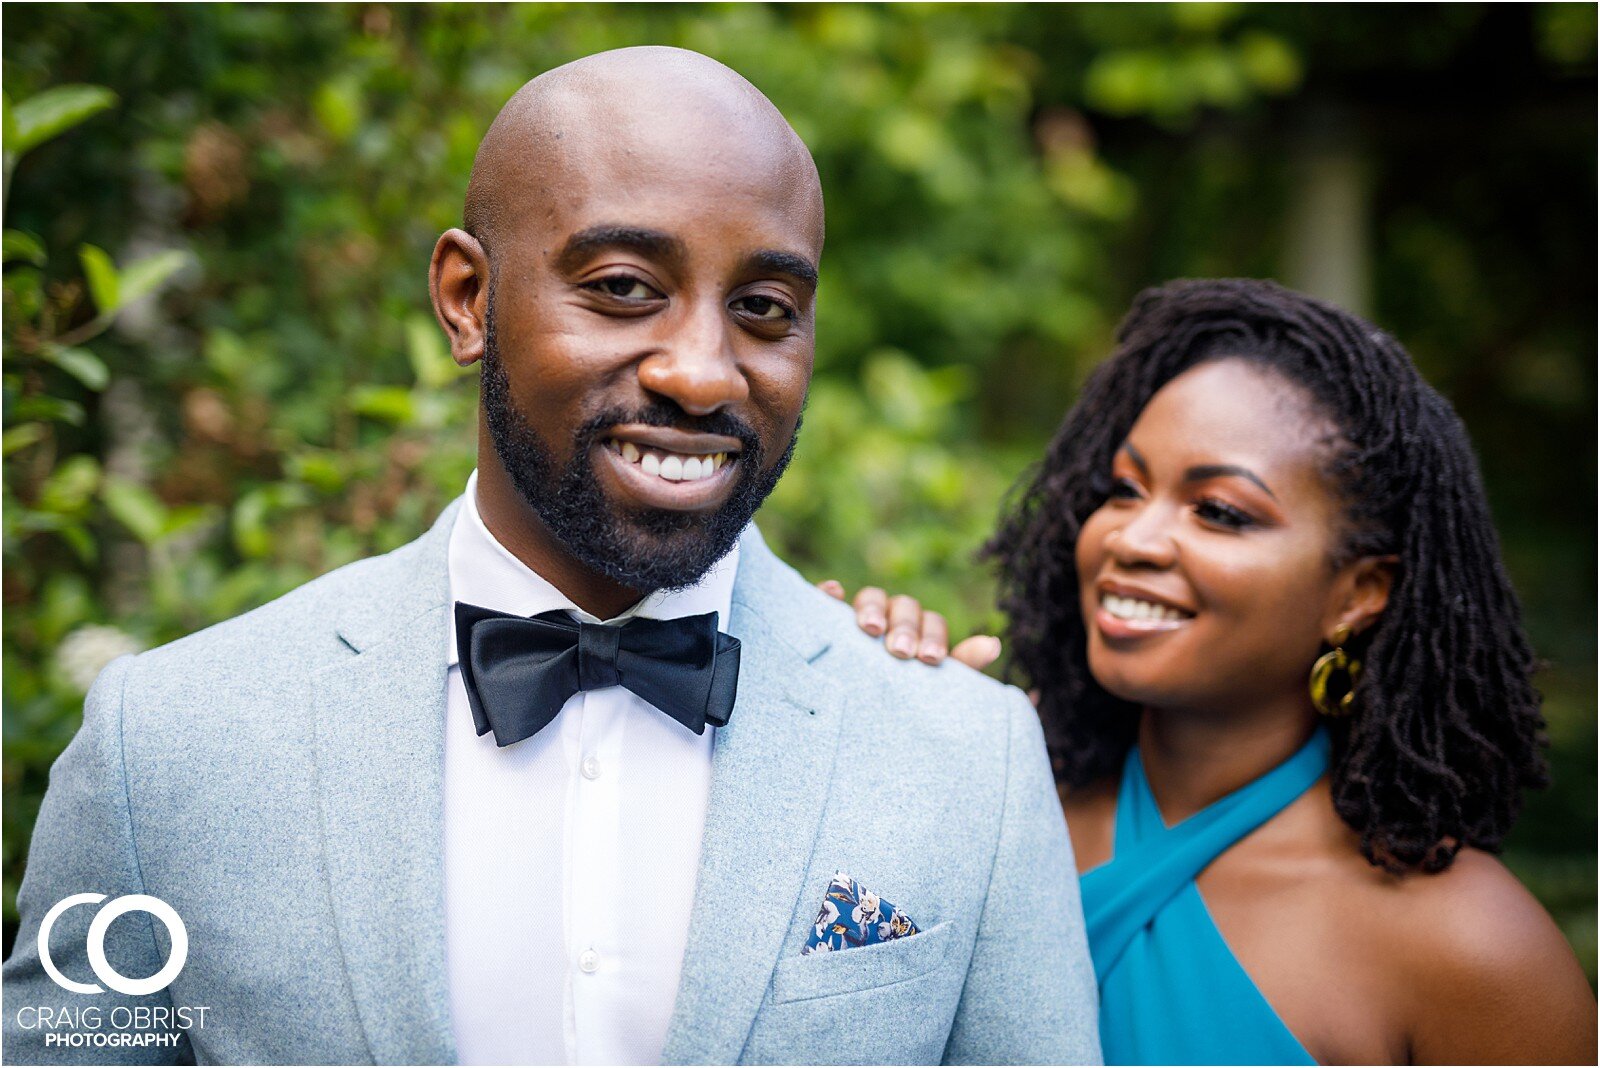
(634, 117)
(640, 274)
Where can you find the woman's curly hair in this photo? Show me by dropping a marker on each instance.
(1446, 731)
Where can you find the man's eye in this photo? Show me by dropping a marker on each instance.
(1221, 514)
(624, 287)
(766, 308)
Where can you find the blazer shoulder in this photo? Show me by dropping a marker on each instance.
(950, 695)
(824, 632)
(301, 630)
(947, 688)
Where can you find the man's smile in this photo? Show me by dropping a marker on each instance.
(661, 467)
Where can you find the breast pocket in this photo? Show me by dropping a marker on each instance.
(892, 1003)
(849, 971)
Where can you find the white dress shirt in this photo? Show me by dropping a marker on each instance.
(570, 856)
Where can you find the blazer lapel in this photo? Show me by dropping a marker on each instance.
(770, 774)
(380, 762)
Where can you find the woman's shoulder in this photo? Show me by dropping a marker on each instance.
(1487, 967)
(1474, 914)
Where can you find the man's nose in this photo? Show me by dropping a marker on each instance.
(1145, 540)
(695, 363)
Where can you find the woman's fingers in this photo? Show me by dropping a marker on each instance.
(978, 651)
(872, 612)
(911, 631)
(935, 642)
(905, 626)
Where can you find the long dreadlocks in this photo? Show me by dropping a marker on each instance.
(1446, 731)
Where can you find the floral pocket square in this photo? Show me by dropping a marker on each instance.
(852, 916)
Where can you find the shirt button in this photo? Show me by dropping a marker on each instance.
(590, 768)
(588, 962)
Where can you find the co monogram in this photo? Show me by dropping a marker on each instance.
(97, 943)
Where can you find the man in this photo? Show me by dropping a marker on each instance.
(407, 813)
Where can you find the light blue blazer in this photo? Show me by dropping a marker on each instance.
(277, 780)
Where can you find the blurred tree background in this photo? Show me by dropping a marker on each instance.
(222, 377)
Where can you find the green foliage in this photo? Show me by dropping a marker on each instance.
(222, 376)
(43, 116)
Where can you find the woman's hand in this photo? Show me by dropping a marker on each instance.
(912, 630)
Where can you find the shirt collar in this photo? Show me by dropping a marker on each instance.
(485, 573)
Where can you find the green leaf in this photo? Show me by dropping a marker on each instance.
(1270, 62)
(187, 516)
(23, 246)
(54, 111)
(70, 486)
(227, 354)
(101, 274)
(82, 542)
(430, 357)
(391, 404)
(252, 532)
(136, 508)
(8, 124)
(18, 438)
(81, 364)
(339, 108)
(143, 277)
(320, 469)
(1204, 17)
(52, 408)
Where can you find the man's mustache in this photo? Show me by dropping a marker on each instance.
(669, 415)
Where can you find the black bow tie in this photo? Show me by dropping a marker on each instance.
(519, 671)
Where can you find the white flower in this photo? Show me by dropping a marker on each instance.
(84, 653)
(867, 911)
(896, 926)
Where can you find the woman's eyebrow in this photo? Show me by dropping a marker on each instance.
(1205, 471)
(1137, 458)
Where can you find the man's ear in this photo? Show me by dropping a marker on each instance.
(458, 281)
(1361, 594)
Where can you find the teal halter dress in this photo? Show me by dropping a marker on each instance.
(1171, 992)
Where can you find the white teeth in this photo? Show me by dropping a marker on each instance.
(674, 467)
(1131, 608)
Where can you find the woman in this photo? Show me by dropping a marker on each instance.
(1256, 589)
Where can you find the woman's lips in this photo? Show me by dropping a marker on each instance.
(1122, 616)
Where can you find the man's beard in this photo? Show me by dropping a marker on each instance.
(642, 548)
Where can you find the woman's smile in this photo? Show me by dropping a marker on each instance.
(1207, 572)
(1127, 612)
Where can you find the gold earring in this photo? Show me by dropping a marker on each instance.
(1328, 668)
